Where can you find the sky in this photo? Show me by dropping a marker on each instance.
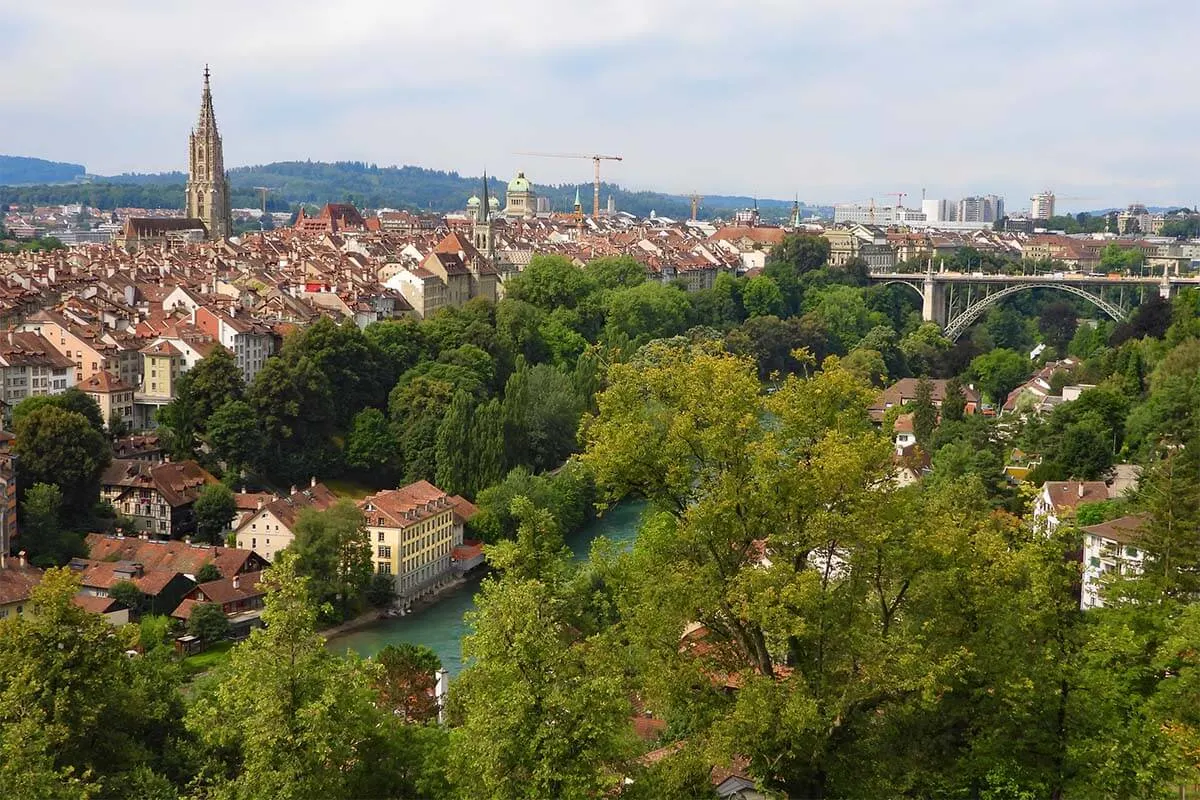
(830, 100)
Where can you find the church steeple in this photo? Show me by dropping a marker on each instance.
(482, 232)
(208, 185)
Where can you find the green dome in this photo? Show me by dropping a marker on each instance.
(519, 183)
(473, 202)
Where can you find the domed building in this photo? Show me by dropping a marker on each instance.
(473, 207)
(520, 200)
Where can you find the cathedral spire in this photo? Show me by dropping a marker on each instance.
(207, 185)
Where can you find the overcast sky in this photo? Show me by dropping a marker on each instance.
(836, 100)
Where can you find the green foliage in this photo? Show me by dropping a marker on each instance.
(208, 621)
(43, 535)
(333, 552)
(129, 595)
(70, 400)
(761, 297)
(215, 509)
(77, 716)
(371, 447)
(153, 632)
(566, 494)
(62, 448)
(208, 572)
(924, 413)
(954, 404)
(234, 436)
(406, 680)
(645, 312)
(1102, 511)
(454, 468)
(999, 372)
(309, 726)
(206, 387)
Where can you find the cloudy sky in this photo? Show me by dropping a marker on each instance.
(836, 100)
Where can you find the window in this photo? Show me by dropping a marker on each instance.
(381, 536)
(1094, 561)
(385, 568)
(253, 543)
(385, 551)
(1131, 552)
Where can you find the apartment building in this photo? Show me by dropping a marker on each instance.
(31, 366)
(414, 531)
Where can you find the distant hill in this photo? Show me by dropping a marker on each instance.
(369, 186)
(19, 170)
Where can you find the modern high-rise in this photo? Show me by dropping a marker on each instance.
(987, 208)
(939, 210)
(1042, 205)
(207, 184)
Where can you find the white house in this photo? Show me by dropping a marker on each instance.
(1058, 500)
(1110, 548)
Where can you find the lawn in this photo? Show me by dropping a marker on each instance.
(202, 662)
(350, 489)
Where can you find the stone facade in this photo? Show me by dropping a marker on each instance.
(208, 185)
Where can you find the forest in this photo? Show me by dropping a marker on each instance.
(293, 183)
(787, 606)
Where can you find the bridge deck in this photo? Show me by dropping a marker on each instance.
(1071, 278)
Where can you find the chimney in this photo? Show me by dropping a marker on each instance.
(237, 582)
(243, 490)
(292, 490)
(312, 482)
(260, 503)
(21, 562)
(1081, 488)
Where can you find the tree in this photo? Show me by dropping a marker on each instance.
(541, 410)
(70, 400)
(214, 381)
(795, 256)
(417, 406)
(308, 724)
(208, 622)
(454, 461)
(118, 427)
(1170, 493)
(215, 509)
(648, 311)
(233, 434)
(616, 272)
(371, 447)
(401, 342)
(43, 536)
(761, 297)
(129, 595)
(62, 448)
(999, 372)
(208, 572)
(347, 359)
(954, 404)
(1057, 323)
(487, 444)
(293, 401)
(924, 413)
(102, 723)
(406, 681)
(333, 551)
(551, 281)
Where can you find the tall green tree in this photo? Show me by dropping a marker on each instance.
(455, 467)
(762, 297)
(371, 447)
(43, 536)
(214, 381)
(333, 552)
(309, 726)
(215, 510)
(924, 413)
(62, 448)
(954, 404)
(234, 436)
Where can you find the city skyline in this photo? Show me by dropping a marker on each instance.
(839, 102)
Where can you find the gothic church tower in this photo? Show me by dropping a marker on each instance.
(208, 185)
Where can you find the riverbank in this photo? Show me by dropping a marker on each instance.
(375, 615)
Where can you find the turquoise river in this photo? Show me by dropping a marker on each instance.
(441, 626)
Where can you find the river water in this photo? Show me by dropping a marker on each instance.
(441, 626)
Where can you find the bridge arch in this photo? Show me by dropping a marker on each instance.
(959, 325)
(910, 284)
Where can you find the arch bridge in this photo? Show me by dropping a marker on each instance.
(955, 301)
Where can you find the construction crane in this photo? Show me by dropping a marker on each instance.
(262, 191)
(595, 160)
(899, 197)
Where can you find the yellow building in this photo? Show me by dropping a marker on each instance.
(114, 396)
(413, 532)
(162, 363)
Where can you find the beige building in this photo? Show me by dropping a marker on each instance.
(17, 579)
(30, 366)
(162, 364)
(114, 396)
(520, 200)
(84, 345)
(413, 532)
(453, 273)
(269, 529)
(207, 184)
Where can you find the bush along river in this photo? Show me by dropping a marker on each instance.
(442, 626)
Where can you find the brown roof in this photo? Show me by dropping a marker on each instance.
(1122, 529)
(755, 234)
(287, 509)
(103, 574)
(163, 348)
(179, 482)
(17, 582)
(94, 604)
(408, 505)
(224, 591)
(905, 390)
(104, 382)
(1066, 495)
(174, 556)
(31, 349)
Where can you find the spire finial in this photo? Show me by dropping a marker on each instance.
(206, 73)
